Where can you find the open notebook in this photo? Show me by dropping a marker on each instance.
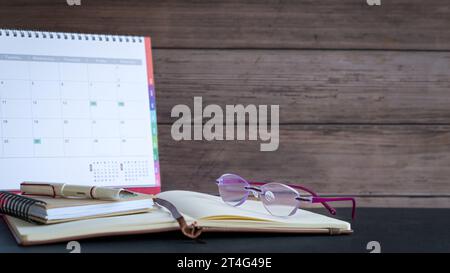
(208, 211)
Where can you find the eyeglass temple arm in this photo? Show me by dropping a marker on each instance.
(316, 199)
(324, 203)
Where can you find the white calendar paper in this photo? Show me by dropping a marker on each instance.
(77, 108)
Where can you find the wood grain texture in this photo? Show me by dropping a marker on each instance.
(373, 84)
(390, 202)
(317, 86)
(343, 24)
(402, 202)
(331, 159)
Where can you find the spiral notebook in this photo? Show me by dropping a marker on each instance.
(77, 108)
(47, 210)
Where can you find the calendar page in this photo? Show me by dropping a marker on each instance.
(77, 108)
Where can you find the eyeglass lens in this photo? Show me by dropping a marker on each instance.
(233, 190)
(279, 199)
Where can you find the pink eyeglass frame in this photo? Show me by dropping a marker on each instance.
(315, 198)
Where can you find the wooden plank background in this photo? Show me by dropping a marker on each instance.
(311, 86)
(343, 24)
(363, 91)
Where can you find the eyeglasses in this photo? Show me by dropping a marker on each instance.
(278, 199)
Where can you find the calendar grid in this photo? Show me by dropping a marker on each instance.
(31, 104)
(89, 94)
(33, 100)
(60, 84)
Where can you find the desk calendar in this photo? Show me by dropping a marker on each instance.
(77, 108)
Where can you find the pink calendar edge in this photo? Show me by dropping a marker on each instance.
(150, 79)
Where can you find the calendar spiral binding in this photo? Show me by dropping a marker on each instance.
(69, 36)
(17, 205)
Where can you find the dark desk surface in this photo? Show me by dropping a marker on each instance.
(397, 230)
